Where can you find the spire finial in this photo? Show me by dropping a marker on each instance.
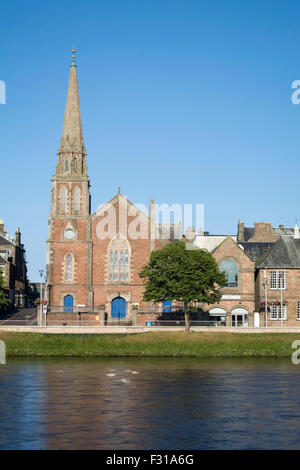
(73, 55)
(119, 190)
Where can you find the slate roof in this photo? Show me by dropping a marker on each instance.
(256, 250)
(280, 231)
(3, 260)
(285, 253)
(283, 231)
(4, 240)
(248, 233)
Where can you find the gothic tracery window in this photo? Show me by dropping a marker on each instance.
(69, 268)
(118, 259)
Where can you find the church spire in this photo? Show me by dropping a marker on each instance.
(72, 139)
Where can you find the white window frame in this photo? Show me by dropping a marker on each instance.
(281, 280)
(284, 312)
(277, 280)
(273, 280)
(275, 312)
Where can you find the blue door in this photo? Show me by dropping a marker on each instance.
(68, 304)
(167, 306)
(118, 308)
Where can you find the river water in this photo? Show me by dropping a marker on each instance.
(149, 404)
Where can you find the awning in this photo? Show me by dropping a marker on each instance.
(239, 311)
(217, 312)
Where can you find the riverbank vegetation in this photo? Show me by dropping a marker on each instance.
(160, 344)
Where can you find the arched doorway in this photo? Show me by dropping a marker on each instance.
(68, 303)
(217, 315)
(167, 306)
(239, 316)
(118, 308)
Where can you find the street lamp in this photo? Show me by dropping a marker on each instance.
(45, 299)
(281, 285)
(266, 298)
(41, 271)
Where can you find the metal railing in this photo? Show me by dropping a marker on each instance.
(141, 321)
(182, 323)
(74, 310)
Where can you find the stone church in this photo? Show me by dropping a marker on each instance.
(93, 260)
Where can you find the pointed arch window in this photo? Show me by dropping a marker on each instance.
(63, 199)
(69, 268)
(75, 165)
(76, 201)
(67, 164)
(118, 259)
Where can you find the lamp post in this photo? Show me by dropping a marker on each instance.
(45, 306)
(281, 306)
(281, 285)
(41, 271)
(266, 298)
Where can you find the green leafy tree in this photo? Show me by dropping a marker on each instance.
(3, 297)
(176, 273)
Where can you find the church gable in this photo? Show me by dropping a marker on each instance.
(230, 249)
(120, 216)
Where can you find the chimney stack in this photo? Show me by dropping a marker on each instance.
(241, 231)
(18, 236)
(2, 227)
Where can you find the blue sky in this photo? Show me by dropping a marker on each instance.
(183, 101)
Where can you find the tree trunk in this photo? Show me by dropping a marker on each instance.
(187, 317)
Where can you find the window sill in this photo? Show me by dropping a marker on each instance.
(118, 283)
